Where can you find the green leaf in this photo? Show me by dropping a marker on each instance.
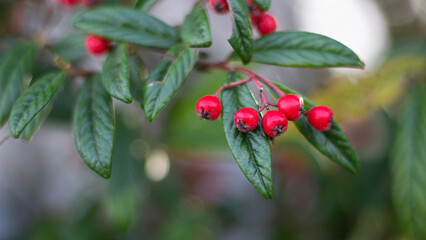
(242, 37)
(144, 5)
(196, 28)
(409, 164)
(127, 25)
(36, 122)
(263, 4)
(15, 76)
(303, 49)
(138, 76)
(167, 79)
(93, 126)
(32, 101)
(70, 48)
(115, 74)
(251, 150)
(332, 143)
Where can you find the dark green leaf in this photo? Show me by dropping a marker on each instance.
(144, 5)
(127, 25)
(196, 28)
(167, 79)
(115, 74)
(409, 164)
(138, 76)
(332, 143)
(70, 48)
(35, 124)
(251, 150)
(242, 37)
(32, 101)
(263, 4)
(93, 127)
(303, 49)
(15, 76)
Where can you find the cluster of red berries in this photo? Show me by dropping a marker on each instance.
(274, 122)
(265, 22)
(96, 44)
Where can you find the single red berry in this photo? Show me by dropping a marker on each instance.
(96, 44)
(266, 24)
(320, 117)
(69, 3)
(208, 107)
(219, 6)
(253, 8)
(253, 19)
(291, 106)
(274, 123)
(246, 119)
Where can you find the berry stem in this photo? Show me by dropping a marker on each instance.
(4, 140)
(233, 84)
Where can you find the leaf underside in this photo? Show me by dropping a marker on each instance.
(251, 150)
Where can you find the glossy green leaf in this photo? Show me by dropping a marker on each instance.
(33, 100)
(242, 36)
(138, 76)
(93, 126)
(115, 74)
(144, 5)
(251, 150)
(36, 122)
(15, 76)
(196, 28)
(303, 49)
(409, 164)
(263, 4)
(70, 48)
(127, 25)
(332, 143)
(167, 79)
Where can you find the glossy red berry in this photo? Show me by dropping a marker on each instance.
(96, 44)
(253, 8)
(219, 6)
(274, 123)
(266, 24)
(291, 105)
(246, 119)
(208, 107)
(69, 3)
(320, 117)
(253, 19)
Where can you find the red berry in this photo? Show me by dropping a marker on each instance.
(274, 123)
(96, 44)
(208, 107)
(246, 119)
(320, 117)
(69, 3)
(253, 19)
(291, 105)
(219, 6)
(253, 8)
(266, 24)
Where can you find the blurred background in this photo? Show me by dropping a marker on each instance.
(176, 178)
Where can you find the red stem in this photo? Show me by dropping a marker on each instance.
(232, 84)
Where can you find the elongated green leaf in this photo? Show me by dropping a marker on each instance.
(167, 79)
(251, 150)
(242, 36)
(196, 28)
(144, 5)
(70, 48)
(332, 143)
(409, 164)
(15, 76)
(115, 74)
(263, 4)
(138, 76)
(36, 122)
(93, 127)
(303, 49)
(127, 25)
(32, 101)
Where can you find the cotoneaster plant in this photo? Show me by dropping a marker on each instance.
(121, 32)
